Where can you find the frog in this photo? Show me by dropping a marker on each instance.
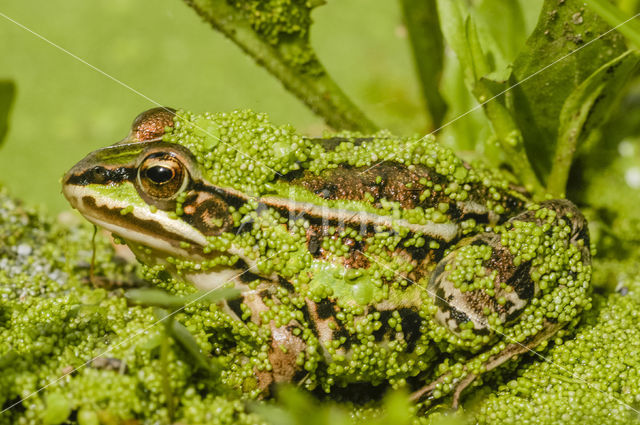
(363, 261)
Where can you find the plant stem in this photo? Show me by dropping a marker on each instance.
(614, 16)
(164, 361)
(317, 89)
(509, 136)
(557, 181)
(421, 20)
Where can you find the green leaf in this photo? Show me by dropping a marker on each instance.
(7, 93)
(421, 19)
(586, 109)
(562, 29)
(479, 65)
(490, 95)
(463, 129)
(160, 298)
(503, 42)
(617, 18)
(452, 21)
(182, 335)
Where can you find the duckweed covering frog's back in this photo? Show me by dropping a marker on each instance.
(363, 259)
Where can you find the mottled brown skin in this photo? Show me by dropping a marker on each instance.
(401, 184)
(150, 124)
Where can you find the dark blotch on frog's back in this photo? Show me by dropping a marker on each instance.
(410, 322)
(345, 182)
(317, 232)
(236, 306)
(325, 308)
(399, 183)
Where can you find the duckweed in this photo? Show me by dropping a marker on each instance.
(52, 320)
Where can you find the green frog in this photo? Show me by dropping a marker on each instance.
(362, 260)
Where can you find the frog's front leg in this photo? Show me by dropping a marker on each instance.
(284, 341)
(502, 293)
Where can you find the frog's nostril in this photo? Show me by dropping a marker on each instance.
(99, 175)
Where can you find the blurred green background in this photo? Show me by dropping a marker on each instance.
(161, 48)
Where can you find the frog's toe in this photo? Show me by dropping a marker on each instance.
(444, 385)
(428, 392)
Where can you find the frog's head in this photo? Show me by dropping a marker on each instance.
(148, 191)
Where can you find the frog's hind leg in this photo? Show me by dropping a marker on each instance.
(489, 279)
(514, 286)
(510, 351)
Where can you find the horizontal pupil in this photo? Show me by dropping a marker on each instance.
(159, 174)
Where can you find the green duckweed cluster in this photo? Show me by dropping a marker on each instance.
(277, 19)
(590, 376)
(53, 319)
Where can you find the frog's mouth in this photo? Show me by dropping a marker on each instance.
(143, 229)
(135, 223)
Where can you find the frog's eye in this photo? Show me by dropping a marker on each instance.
(161, 177)
(159, 174)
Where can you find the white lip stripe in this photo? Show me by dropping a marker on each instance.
(174, 226)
